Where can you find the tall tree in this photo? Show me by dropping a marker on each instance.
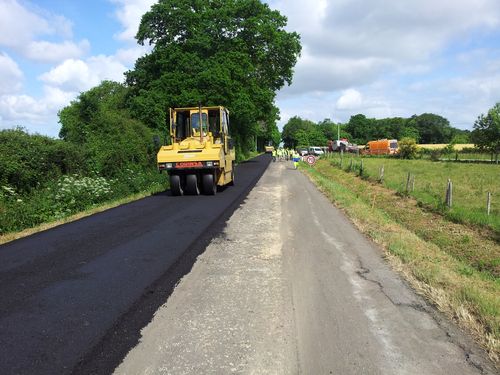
(432, 128)
(299, 132)
(218, 52)
(362, 128)
(486, 133)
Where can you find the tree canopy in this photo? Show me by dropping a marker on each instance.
(425, 128)
(304, 133)
(220, 52)
(486, 133)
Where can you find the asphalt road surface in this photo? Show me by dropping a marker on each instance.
(74, 298)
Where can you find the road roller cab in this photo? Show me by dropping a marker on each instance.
(201, 153)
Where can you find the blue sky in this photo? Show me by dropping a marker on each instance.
(382, 58)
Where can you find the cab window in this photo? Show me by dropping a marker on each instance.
(195, 121)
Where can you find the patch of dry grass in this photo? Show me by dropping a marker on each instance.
(456, 147)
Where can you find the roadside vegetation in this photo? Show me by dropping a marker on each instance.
(456, 266)
(44, 179)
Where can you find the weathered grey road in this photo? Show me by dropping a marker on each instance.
(291, 287)
(74, 298)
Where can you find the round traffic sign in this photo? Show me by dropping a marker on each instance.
(310, 159)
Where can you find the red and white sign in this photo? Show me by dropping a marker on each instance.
(189, 164)
(310, 159)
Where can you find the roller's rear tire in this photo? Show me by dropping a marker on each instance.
(175, 185)
(192, 185)
(209, 185)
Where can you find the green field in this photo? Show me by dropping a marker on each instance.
(471, 184)
(468, 156)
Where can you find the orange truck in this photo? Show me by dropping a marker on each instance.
(381, 147)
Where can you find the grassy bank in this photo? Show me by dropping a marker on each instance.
(70, 195)
(455, 266)
(471, 184)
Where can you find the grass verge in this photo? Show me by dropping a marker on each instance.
(452, 281)
(4, 238)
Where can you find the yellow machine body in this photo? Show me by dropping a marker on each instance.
(201, 154)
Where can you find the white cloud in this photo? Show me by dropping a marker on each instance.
(351, 42)
(129, 14)
(321, 74)
(55, 98)
(77, 75)
(350, 99)
(10, 75)
(44, 51)
(71, 75)
(18, 25)
(106, 67)
(128, 56)
(19, 108)
(412, 29)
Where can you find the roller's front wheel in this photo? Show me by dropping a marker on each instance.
(209, 185)
(175, 185)
(192, 185)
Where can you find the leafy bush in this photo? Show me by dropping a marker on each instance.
(29, 161)
(436, 154)
(71, 194)
(100, 123)
(408, 148)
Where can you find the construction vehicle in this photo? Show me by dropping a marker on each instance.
(381, 147)
(269, 148)
(201, 154)
(342, 145)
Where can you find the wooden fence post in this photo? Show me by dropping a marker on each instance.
(408, 180)
(381, 175)
(449, 194)
(488, 204)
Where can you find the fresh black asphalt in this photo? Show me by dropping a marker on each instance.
(74, 298)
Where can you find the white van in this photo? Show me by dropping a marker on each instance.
(316, 151)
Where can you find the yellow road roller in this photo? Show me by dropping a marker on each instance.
(201, 154)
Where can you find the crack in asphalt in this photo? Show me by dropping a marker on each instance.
(363, 272)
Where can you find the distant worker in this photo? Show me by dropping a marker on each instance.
(296, 159)
(274, 154)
